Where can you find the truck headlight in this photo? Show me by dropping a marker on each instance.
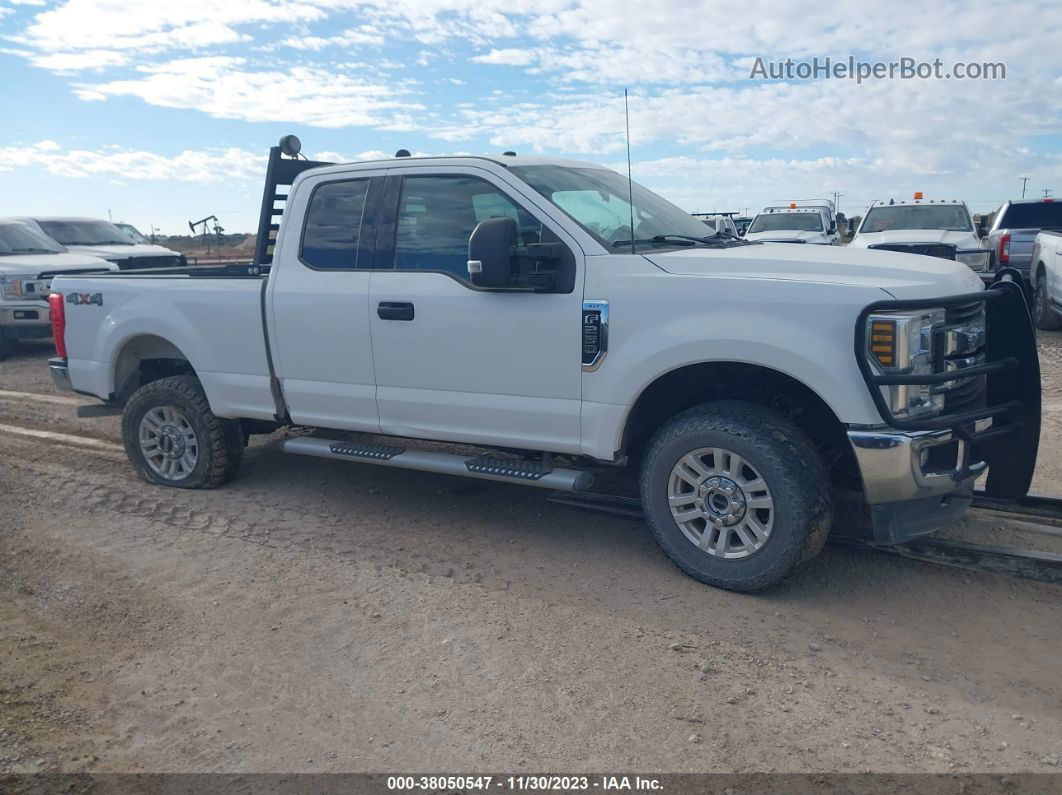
(13, 289)
(974, 260)
(902, 343)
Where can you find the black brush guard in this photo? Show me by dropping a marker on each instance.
(1012, 371)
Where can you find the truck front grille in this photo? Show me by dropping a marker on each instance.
(942, 250)
(163, 261)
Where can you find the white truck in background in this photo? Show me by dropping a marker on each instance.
(794, 225)
(509, 304)
(99, 238)
(28, 263)
(1045, 277)
(934, 228)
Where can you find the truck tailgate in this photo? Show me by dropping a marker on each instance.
(213, 323)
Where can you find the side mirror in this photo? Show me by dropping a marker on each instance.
(490, 251)
(833, 229)
(982, 230)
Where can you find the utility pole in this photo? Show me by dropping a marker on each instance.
(837, 200)
(1047, 192)
(1023, 181)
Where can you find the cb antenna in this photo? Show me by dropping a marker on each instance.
(630, 180)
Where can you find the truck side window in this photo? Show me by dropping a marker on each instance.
(333, 225)
(436, 216)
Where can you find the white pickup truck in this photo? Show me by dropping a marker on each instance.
(28, 262)
(522, 307)
(1045, 277)
(793, 225)
(930, 227)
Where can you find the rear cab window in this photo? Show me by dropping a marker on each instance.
(1032, 216)
(332, 231)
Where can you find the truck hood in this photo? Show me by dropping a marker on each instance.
(124, 252)
(961, 240)
(900, 275)
(785, 235)
(33, 264)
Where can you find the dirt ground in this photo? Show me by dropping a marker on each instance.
(323, 616)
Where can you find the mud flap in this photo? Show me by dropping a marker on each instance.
(1011, 457)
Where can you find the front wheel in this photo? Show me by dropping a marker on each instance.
(1044, 315)
(736, 495)
(173, 439)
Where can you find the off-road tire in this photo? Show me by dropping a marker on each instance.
(783, 456)
(1044, 315)
(220, 440)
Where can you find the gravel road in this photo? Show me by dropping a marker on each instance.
(324, 616)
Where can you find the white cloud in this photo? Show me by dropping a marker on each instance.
(509, 57)
(204, 167)
(224, 87)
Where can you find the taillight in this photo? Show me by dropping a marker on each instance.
(57, 314)
(1003, 255)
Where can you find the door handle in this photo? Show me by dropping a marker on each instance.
(395, 310)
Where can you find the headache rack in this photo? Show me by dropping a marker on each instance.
(280, 173)
(995, 377)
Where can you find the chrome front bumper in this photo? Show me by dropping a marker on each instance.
(60, 375)
(900, 466)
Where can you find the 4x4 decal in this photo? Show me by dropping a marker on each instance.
(84, 298)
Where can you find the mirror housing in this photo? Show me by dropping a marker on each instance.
(490, 251)
(833, 229)
(982, 230)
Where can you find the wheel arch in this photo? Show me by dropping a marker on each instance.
(144, 358)
(693, 384)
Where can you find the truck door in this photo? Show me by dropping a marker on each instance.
(319, 301)
(460, 363)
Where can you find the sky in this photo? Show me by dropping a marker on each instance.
(157, 113)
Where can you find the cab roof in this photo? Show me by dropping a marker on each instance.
(915, 202)
(506, 161)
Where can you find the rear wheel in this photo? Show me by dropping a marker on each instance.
(1044, 315)
(735, 495)
(173, 439)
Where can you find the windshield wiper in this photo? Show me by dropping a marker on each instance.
(681, 240)
(33, 251)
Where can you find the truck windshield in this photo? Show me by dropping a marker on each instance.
(20, 239)
(133, 233)
(85, 233)
(598, 200)
(949, 217)
(1033, 215)
(788, 222)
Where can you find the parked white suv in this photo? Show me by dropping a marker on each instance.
(28, 261)
(103, 239)
(935, 228)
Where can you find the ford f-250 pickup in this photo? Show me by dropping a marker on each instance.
(523, 307)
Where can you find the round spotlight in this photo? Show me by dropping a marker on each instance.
(290, 145)
(402, 153)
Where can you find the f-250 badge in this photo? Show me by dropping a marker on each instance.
(84, 298)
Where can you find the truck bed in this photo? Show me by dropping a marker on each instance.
(210, 316)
